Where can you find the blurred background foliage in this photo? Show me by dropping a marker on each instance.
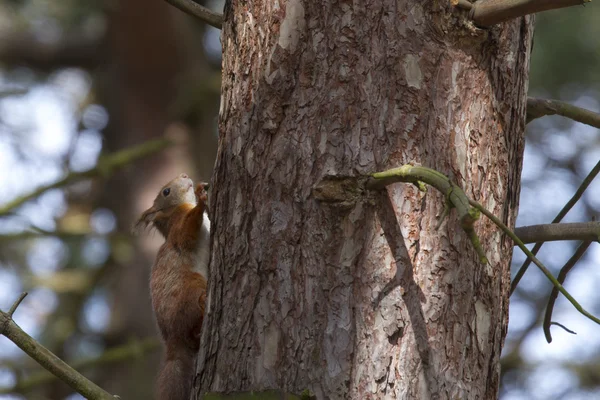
(83, 78)
(79, 79)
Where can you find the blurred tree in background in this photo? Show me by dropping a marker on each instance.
(559, 153)
(99, 77)
(82, 78)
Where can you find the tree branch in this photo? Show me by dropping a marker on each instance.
(587, 231)
(196, 10)
(345, 191)
(117, 354)
(562, 275)
(580, 190)
(537, 108)
(16, 304)
(537, 262)
(455, 197)
(47, 359)
(563, 327)
(486, 13)
(105, 167)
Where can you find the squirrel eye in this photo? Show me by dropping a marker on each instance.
(166, 192)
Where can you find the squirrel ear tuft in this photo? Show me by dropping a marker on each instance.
(144, 221)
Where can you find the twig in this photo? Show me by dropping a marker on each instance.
(344, 191)
(455, 197)
(537, 262)
(537, 108)
(564, 327)
(588, 231)
(116, 354)
(562, 275)
(105, 167)
(47, 359)
(582, 188)
(486, 13)
(16, 304)
(196, 10)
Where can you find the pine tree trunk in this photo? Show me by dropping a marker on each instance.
(365, 299)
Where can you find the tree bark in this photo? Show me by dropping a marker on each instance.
(361, 299)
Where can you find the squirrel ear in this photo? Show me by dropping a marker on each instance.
(144, 221)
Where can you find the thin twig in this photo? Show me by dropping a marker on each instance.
(582, 188)
(16, 304)
(564, 327)
(562, 275)
(49, 360)
(455, 196)
(537, 262)
(537, 108)
(105, 167)
(196, 10)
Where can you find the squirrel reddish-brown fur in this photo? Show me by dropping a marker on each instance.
(178, 291)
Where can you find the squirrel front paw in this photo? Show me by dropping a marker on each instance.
(200, 192)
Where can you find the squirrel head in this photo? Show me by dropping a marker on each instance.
(175, 193)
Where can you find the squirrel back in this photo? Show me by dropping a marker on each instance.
(178, 291)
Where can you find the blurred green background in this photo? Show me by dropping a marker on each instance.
(83, 78)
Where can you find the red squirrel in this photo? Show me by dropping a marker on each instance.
(178, 280)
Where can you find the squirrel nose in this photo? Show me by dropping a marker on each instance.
(184, 176)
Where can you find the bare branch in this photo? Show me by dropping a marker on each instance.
(486, 13)
(537, 108)
(564, 327)
(562, 275)
(105, 167)
(557, 285)
(588, 231)
(16, 304)
(580, 190)
(47, 359)
(196, 10)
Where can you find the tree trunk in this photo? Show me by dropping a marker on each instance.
(361, 299)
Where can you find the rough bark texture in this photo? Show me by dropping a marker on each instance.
(363, 300)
